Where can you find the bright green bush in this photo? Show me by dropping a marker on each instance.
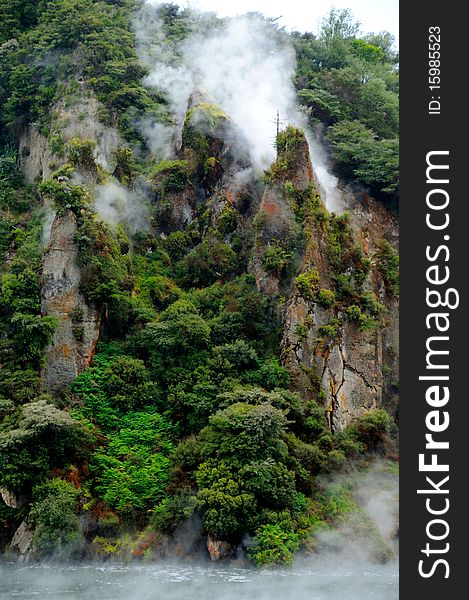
(133, 470)
(308, 284)
(273, 545)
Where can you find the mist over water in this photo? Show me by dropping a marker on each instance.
(313, 581)
(344, 567)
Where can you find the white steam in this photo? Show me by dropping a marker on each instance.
(246, 67)
(118, 205)
(370, 534)
(243, 65)
(337, 200)
(246, 71)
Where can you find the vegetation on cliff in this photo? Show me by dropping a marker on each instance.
(188, 410)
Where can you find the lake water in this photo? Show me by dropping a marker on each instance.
(195, 582)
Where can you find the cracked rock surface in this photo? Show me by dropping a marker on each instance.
(69, 352)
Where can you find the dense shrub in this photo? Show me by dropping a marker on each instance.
(57, 524)
(173, 175)
(273, 545)
(133, 470)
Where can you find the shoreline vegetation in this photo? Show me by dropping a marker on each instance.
(197, 358)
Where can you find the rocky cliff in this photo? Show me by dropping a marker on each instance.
(355, 369)
(74, 125)
(77, 332)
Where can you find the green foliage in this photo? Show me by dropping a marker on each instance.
(172, 175)
(54, 515)
(180, 330)
(239, 354)
(133, 470)
(15, 17)
(94, 404)
(276, 260)
(387, 260)
(206, 116)
(245, 431)
(373, 429)
(349, 82)
(308, 284)
(65, 196)
(364, 322)
(273, 545)
(44, 42)
(337, 500)
(14, 195)
(372, 161)
(367, 51)
(178, 244)
(240, 476)
(331, 330)
(173, 511)
(206, 263)
(186, 407)
(271, 374)
(290, 142)
(25, 332)
(35, 439)
(81, 153)
(227, 222)
(126, 168)
(162, 290)
(326, 298)
(127, 384)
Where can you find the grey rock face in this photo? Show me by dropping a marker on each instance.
(75, 338)
(35, 155)
(11, 499)
(23, 540)
(349, 369)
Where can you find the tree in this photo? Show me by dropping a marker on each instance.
(180, 331)
(39, 438)
(128, 385)
(335, 32)
(339, 24)
(246, 432)
(57, 524)
(372, 161)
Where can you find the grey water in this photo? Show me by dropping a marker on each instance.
(195, 582)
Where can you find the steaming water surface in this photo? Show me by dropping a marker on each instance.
(191, 582)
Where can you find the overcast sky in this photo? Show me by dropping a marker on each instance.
(304, 15)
